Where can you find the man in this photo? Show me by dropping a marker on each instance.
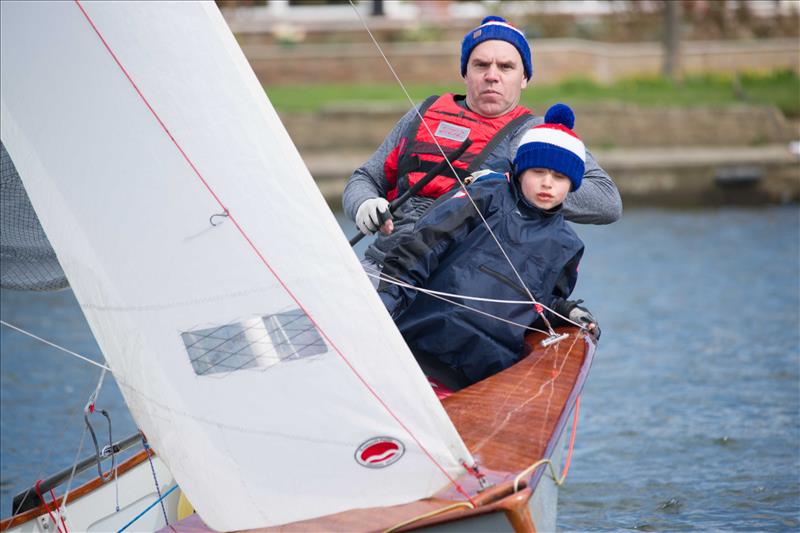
(496, 66)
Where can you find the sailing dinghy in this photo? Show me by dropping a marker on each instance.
(245, 337)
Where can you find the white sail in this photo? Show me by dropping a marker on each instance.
(257, 375)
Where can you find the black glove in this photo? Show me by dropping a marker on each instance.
(578, 314)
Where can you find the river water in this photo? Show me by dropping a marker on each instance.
(690, 419)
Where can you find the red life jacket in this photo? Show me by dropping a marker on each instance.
(451, 124)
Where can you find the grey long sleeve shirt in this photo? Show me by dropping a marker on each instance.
(596, 202)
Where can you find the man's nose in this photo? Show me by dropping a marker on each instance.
(492, 73)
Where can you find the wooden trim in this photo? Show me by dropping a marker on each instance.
(91, 485)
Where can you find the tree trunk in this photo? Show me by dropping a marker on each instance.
(670, 68)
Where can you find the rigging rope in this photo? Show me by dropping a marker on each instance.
(79, 356)
(448, 297)
(263, 259)
(91, 401)
(137, 517)
(49, 511)
(155, 480)
(74, 470)
(559, 480)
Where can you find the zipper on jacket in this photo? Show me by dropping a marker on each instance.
(460, 114)
(505, 280)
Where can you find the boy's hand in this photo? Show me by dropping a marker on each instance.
(573, 310)
(584, 317)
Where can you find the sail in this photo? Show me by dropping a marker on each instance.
(247, 341)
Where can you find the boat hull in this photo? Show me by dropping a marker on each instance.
(92, 506)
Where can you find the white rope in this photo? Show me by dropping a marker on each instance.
(93, 396)
(451, 295)
(461, 183)
(446, 296)
(63, 506)
(79, 356)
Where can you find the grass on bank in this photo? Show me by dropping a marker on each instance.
(780, 88)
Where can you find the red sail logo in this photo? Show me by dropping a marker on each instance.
(380, 452)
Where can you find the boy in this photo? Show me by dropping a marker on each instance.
(451, 251)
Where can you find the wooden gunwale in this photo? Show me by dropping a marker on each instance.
(128, 464)
(495, 417)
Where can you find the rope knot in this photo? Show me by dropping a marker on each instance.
(480, 476)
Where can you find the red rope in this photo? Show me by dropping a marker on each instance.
(49, 512)
(572, 437)
(263, 259)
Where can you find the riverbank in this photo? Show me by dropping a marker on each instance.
(555, 60)
(660, 156)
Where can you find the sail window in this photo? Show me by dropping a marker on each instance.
(254, 344)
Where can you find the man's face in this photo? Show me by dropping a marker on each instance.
(543, 187)
(495, 78)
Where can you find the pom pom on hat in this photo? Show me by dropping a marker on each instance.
(560, 114)
(497, 28)
(553, 145)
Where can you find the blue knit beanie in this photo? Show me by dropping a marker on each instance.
(553, 145)
(497, 28)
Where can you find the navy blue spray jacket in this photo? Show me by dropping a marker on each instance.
(452, 251)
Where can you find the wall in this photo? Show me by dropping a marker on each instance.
(553, 60)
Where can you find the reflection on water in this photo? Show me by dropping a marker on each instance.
(690, 418)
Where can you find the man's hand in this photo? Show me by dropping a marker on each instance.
(373, 214)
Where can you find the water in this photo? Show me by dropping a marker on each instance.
(690, 418)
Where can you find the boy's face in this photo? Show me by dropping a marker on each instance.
(543, 187)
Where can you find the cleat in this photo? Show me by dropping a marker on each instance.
(554, 338)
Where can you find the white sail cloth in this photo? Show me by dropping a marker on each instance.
(262, 417)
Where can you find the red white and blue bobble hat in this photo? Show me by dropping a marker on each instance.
(553, 145)
(496, 28)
